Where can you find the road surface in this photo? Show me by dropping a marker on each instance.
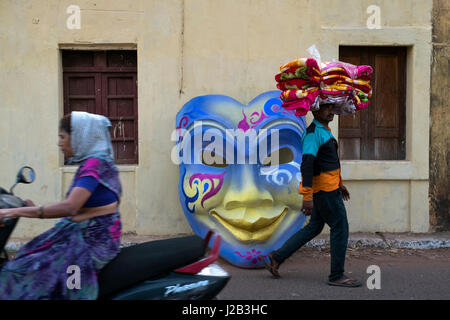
(404, 274)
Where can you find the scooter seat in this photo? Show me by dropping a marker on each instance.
(148, 260)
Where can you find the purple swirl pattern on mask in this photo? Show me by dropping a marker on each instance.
(183, 123)
(207, 176)
(255, 118)
(275, 108)
(243, 125)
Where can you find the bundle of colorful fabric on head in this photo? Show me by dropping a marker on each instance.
(305, 86)
(299, 80)
(345, 85)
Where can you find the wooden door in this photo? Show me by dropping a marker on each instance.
(378, 132)
(119, 102)
(82, 92)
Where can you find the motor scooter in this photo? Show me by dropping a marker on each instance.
(170, 269)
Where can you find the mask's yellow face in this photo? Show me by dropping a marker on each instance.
(240, 173)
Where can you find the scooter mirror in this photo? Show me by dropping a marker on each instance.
(25, 175)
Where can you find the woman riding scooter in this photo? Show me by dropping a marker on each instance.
(88, 234)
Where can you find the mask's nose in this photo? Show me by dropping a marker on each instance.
(244, 192)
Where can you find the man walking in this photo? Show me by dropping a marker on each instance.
(323, 195)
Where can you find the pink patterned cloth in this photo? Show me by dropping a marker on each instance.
(305, 85)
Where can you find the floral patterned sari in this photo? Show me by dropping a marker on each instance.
(50, 265)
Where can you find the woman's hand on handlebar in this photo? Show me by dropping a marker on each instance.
(6, 213)
(12, 213)
(68, 207)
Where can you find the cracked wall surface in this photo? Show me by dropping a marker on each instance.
(440, 118)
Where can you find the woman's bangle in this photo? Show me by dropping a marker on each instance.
(41, 212)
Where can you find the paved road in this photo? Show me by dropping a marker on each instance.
(405, 274)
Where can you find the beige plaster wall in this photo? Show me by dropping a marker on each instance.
(196, 47)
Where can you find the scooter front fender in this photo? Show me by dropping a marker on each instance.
(175, 286)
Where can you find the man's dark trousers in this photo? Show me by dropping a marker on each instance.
(328, 208)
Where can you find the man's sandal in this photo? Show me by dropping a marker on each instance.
(272, 267)
(345, 281)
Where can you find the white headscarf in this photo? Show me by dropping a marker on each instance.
(90, 137)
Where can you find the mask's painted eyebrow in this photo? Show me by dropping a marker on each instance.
(209, 123)
(190, 130)
(286, 123)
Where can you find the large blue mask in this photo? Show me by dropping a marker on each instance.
(230, 178)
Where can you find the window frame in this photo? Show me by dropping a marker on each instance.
(368, 132)
(100, 70)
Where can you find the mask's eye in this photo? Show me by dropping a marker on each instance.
(285, 155)
(210, 158)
